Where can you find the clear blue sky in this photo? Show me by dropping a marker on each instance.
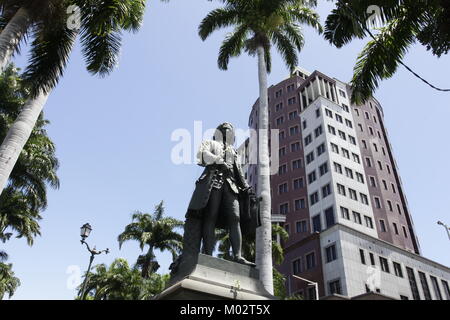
(113, 137)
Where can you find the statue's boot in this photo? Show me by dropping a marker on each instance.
(242, 260)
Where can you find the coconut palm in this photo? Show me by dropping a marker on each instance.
(257, 25)
(120, 282)
(26, 193)
(405, 22)
(156, 232)
(45, 23)
(8, 282)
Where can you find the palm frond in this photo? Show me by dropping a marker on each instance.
(232, 46)
(217, 19)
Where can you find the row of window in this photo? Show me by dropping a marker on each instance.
(349, 173)
(325, 191)
(352, 194)
(345, 213)
(342, 135)
(395, 227)
(295, 164)
(370, 164)
(345, 153)
(398, 271)
(301, 264)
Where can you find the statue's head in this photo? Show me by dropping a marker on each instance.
(225, 133)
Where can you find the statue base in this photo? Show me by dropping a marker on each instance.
(211, 278)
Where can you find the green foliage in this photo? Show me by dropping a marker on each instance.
(156, 232)
(120, 282)
(406, 22)
(261, 23)
(8, 282)
(25, 196)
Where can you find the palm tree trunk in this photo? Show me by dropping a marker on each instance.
(12, 34)
(18, 135)
(264, 233)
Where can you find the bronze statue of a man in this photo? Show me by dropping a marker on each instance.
(222, 199)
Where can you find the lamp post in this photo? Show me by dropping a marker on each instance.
(315, 284)
(84, 232)
(447, 228)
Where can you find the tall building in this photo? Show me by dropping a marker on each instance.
(339, 195)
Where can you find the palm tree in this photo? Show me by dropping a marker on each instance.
(8, 282)
(405, 23)
(45, 22)
(120, 282)
(156, 232)
(26, 193)
(257, 25)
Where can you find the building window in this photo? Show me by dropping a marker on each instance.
(279, 107)
(367, 115)
(380, 165)
(352, 194)
(331, 253)
(335, 287)
(301, 226)
(345, 107)
(342, 93)
(339, 118)
(290, 87)
(297, 266)
(312, 177)
(437, 291)
(345, 153)
(375, 147)
(280, 121)
(284, 208)
(337, 167)
(352, 140)
(373, 182)
(388, 169)
(331, 130)
(328, 113)
(321, 149)
(294, 130)
(297, 164)
(329, 217)
(323, 169)
(314, 198)
(356, 158)
(282, 169)
(310, 260)
(334, 148)
(382, 226)
(362, 256)
(393, 188)
(348, 123)
(292, 100)
(372, 258)
(317, 113)
(349, 173)
(281, 135)
(317, 225)
(318, 131)
(364, 144)
(395, 228)
(341, 189)
(446, 289)
(295, 146)
(345, 213)
(377, 202)
(384, 264)
(359, 177)
(298, 183)
(293, 115)
(342, 135)
(282, 151)
(282, 188)
(369, 223)
(404, 232)
(300, 204)
(278, 93)
(305, 125)
(357, 217)
(308, 140)
(413, 283)
(390, 205)
(360, 127)
(398, 269)
(399, 210)
(357, 112)
(309, 157)
(425, 287)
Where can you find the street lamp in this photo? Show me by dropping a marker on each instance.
(446, 228)
(315, 284)
(85, 230)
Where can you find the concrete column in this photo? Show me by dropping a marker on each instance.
(318, 85)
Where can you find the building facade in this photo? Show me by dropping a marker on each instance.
(339, 195)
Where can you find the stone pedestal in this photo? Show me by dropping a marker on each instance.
(211, 278)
